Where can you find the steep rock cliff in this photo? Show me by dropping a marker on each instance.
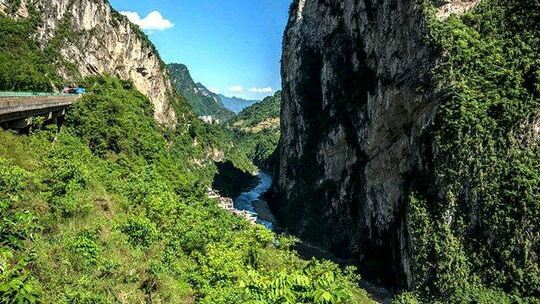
(351, 120)
(91, 38)
(361, 133)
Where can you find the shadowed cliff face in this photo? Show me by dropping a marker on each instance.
(353, 114)
(404, 147)
(231, 181)
(95, 39)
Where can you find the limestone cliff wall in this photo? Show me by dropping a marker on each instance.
(356, 103)
(101, 42)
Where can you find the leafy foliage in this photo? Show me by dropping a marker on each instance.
(140, 231)
(23, 65)
(114, 209)
(257, 130)
(316, 283)
(480, 244)
(204, 102)
(16, 285)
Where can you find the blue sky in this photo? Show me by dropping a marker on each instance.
(231, 46)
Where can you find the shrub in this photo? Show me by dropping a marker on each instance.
(474, 227)
(141, 232)
(87, 247)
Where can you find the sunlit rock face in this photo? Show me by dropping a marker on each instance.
(101, 41)
(448, 7)
(355, 110)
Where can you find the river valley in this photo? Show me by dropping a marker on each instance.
(252, 201)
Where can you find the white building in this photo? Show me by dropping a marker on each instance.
(209, 119)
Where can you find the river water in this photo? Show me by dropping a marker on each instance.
(251, 201)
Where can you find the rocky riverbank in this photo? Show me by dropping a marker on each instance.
(228, 205)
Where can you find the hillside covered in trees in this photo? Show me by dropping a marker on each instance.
(204, 102)
(113, 208)
(256, 130)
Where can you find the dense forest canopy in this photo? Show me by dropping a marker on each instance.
(114, 208)
(488, 164)
(256, 129)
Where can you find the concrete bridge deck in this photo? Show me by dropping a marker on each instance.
(21, 106)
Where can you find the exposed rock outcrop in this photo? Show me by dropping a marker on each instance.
(95, 39)
(227, 204)
(355, 107)
(455, 7)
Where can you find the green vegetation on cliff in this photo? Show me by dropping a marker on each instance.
(257, 130)
(113, 209)
(24, 66)
(481, 243)
(204, 102)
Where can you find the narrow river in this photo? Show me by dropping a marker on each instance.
(252, 202)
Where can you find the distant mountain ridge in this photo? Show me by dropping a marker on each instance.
(236, 104)
(203, 101)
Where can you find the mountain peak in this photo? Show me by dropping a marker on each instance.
(236, 104)
(204, 102)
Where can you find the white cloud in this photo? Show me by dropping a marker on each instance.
(261, 90)
(153, 22)
(236, 89)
